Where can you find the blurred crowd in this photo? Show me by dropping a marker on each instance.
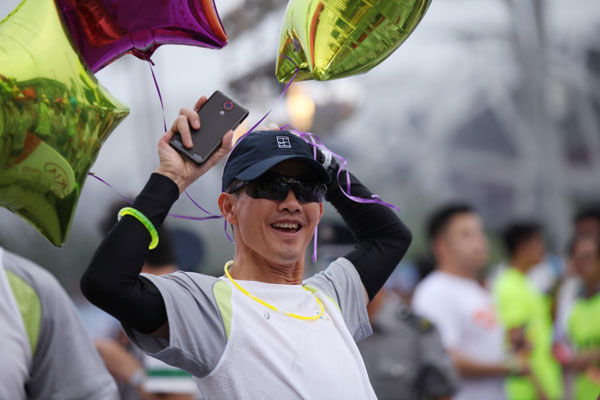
(453, 326)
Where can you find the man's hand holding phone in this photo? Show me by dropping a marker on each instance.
(182, 170)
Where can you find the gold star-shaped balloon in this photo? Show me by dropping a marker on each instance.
(329, 39)
(54, 117)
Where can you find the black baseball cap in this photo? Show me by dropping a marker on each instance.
(259, 151)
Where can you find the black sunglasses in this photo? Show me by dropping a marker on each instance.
(277, 188)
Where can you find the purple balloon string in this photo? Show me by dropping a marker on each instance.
(213, 216)
(314, 255)
(316, 142)
(285, 89)
(209, 216)
(93, 175)
(198, 205)
(227, 234)
(151, 63)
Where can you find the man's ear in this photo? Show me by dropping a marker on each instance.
(320, 211)
(226, 203)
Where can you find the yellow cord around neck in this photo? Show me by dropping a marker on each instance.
(264, 303)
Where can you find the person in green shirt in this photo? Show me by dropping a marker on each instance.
(525, 315)
(587, 221)
(583, 327)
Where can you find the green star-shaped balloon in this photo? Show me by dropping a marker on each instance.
(54, 117)
(329, 39)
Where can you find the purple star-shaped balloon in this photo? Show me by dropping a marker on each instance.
(104, 30)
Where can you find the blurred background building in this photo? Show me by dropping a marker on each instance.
(492, 101)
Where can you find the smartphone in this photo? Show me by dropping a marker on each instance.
(218, 115)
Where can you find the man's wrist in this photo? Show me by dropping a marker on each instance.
(327, 161)
(327, 158)
(156, 198)
(330, 164)
(175, 178)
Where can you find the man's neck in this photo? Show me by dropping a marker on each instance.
(520, 264)
(249, 266)
(452, 270)
(592, 286)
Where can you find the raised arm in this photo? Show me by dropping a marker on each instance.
(382, 238)
(112, 281)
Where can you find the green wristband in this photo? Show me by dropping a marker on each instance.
(145, 221)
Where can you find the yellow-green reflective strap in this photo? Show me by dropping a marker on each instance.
(222, 292)
(29, 306)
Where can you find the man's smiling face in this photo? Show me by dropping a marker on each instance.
(278, 231)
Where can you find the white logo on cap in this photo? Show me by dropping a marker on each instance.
(283, 142)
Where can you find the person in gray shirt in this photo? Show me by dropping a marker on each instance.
(46, 353)
(405, 357)
(261, 331)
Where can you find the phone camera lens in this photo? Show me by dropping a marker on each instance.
(228, 105)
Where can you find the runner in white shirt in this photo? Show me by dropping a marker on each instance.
(461, 308)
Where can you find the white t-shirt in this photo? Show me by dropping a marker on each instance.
(236, 348)
(465, 316)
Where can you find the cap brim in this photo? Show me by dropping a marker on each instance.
(256, 170)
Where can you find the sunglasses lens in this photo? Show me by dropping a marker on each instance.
(278, 189)
(309, 192)
(270, 190)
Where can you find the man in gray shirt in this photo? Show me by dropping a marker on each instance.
(46, 353)
(261, 331)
